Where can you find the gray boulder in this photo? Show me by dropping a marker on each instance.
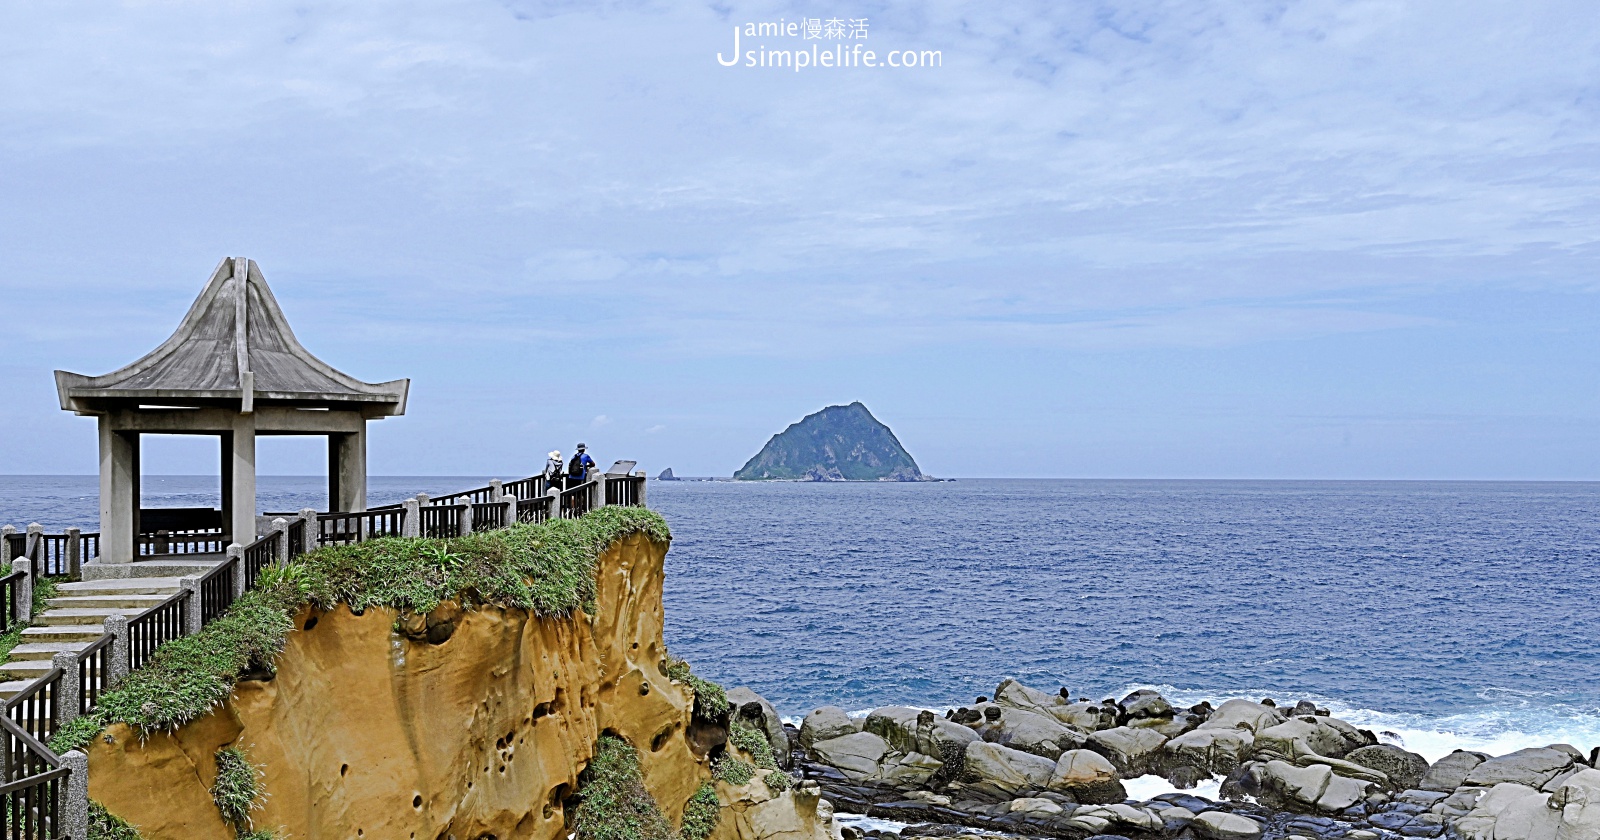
(825, 723)
(1531, 767)
(1146, 703)
(1243, 714)
(1214, 751)
(1006, 770)
(1088, 777)
(1286, 787)
(1512, 812)
(865, 757)
(754, 709)
(1404, 769)
(1297, 737)
(1025, 730)
(1450, 772)
(917, 730)
(1134, 752)
(1221, 825)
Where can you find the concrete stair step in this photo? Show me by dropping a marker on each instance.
(62, 633)
(29, 651)
(11, 688)
(134, 601)
(28, 669)
(125, 586)
(60, 617)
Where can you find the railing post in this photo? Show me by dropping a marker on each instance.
(116, 626)
(6, 534)
(281, 525)
(497, 490)
(511, 511)
(422, 499)
(412, 527)
(71, 697)
(74, 553)
(555, 503)
(24, 604)
(597, 496)
(313, 531)
(466, 519)
(192, 616)
(34, 550)
(644, 481)
(75, 799)
(236, 556)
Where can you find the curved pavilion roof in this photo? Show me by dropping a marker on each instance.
(235, 344)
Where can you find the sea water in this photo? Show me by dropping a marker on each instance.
(1445, 614)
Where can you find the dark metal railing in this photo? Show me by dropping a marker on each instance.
(623, 489)
(94, 673)
(297, 538)
(349, 528)
(50, 555)
(476, 496)
(35, 709)
(8, 592)
(216, 589)
(260, 555)
(487, 516)
(536, 509)
(88, 547)
(199, 541)
(575, 501)
(440, 521)
(527, 488)
(31, 792)
(16, 546)
(161, 623)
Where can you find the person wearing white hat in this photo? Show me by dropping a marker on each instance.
(552, 469)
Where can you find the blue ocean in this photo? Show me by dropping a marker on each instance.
(1451, 614)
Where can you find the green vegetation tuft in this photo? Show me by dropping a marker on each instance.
(613, 802)
(732, 770)
(546, 568)
(104, 825)
(754, 742)
(237, 790)
(43, 590)
(700, 814)
(710, 700)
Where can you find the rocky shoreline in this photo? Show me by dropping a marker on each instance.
(1026, 763)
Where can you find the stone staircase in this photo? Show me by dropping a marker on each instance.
(75, 619)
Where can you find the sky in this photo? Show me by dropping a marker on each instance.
(1146, 240)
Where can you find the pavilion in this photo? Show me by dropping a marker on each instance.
(232, 369)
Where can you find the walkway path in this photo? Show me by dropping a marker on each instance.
(75, 619)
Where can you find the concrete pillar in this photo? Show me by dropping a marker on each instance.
(6, 534)
(236, 552)
(412, 527)
(192, 619)
(497, 490)
(116, 626)
(347, 471)
(33, 550)
(24, 589)
(75, 799)
(119, 493)
(555, 503)
(644, 482)
(71, 697)
(511, 511)
(74, 554)
(242, 524)
(597, 493)
(466, 519)
(312, 529)
(281, 526)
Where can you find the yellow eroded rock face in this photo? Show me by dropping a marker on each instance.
(375, 730)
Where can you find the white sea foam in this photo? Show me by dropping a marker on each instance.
(1508, 721)
(1146, 788)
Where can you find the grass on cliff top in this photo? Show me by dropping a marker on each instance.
(548, 568)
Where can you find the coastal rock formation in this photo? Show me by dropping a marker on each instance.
(1291, 774)
(481, 724)
(838, 443)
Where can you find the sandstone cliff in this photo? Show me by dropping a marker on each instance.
(469, 724)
